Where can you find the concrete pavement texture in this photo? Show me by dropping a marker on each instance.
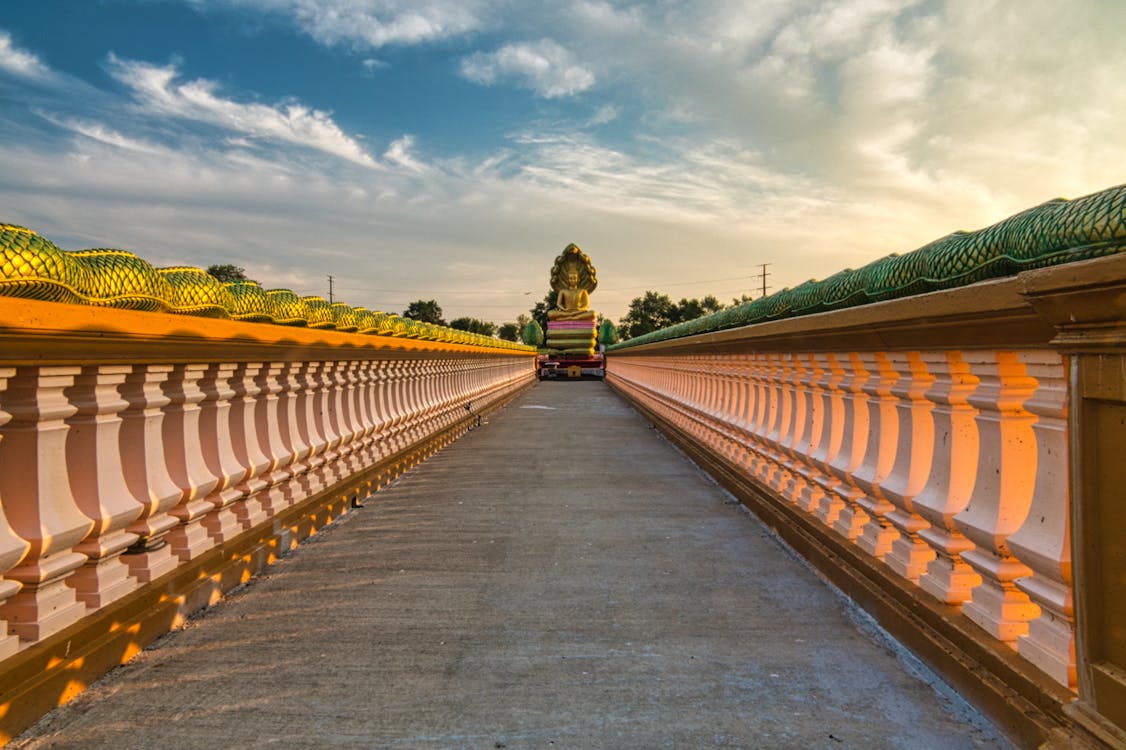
(561, 577)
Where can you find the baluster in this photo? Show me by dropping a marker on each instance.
(280, 439)
(330, 421)
(705, 390)
(216, 438)
(452, 380)
(383, 407)
(716, 404)
(790, 477)
(684, 386)
(344, 392)
(688, 385)
(272, 415)
(709, 421)
(315, 413)
(357, 417)
(878, 534)
(295, 397)
(744, 411)
(948, 578)
(249, 390)
(767, 426)
(415, 407)
(146, 472)
(422, 393)
(395, 403)
(12, 547)
(1002, 497)
(842, 497)
(352, 423)
(760, 387)
(831, 433)
(95, 468)
(246, 444)
(1043, 542)
(736, 408)
(447, 405)
(910, 554)
(186, 464)
(38, 502)
(407, 384)
(366, 410)
(308, 469)
(272, 421)
(728, 407)
(808, 432)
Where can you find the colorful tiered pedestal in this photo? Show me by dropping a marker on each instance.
(571, 336)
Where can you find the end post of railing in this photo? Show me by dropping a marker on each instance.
(1087, 305)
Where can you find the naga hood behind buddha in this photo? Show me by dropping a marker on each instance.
(571, 328)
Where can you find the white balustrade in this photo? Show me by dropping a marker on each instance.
(112, 476)
(948, 466)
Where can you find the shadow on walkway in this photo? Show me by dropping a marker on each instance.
(559, 578)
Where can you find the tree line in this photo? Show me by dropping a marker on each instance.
(649, 312)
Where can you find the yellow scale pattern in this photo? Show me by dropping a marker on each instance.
(33, 267)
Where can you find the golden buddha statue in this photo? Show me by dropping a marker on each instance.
(573, 278)
(572, 302)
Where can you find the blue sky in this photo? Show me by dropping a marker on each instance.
(450, 149)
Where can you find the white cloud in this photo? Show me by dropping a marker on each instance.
(544, 66)
(158, 92)
(399, 153)
(20, 63)
(371, 23)
(102, 133)
(605, 114)
(814, 135)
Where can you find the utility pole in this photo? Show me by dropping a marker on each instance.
(330, 299)
(763, 274)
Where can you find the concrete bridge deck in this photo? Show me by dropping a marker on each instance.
(561, 577)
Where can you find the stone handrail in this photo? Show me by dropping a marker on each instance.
(923, 442)
(149, 461)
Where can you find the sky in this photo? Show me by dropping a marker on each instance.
(450, 149)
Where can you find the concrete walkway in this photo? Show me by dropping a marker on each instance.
(559, 578)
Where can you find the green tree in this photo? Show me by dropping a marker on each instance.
(690, 309)
(473, 325)
(509, 332)
(539, 312)
(607, 333)
(647, 313)
(533, 334)
(227, 272)
(428, 311)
